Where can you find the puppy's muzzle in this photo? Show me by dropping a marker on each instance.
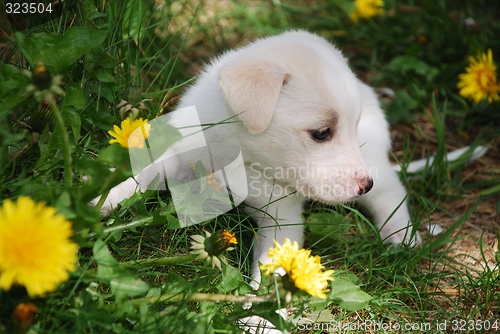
(365, 185)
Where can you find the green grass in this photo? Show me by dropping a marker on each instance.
(416, 49)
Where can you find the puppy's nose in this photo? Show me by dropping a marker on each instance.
(365, 185)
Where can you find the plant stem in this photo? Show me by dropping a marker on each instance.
(146, 221)
(162, 261)
(102, 200)
(197, 297)
(147, 263)
(68, 173)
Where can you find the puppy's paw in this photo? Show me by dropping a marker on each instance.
(258, 325)
(403, 237)
(248, 305)
(117, 194)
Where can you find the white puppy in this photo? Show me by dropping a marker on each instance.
(306, 127)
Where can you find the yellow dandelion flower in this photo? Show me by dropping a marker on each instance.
(128, 135)
(35, 246)
(304, 271)
(480, 80)
(229, 238)
(366, 9)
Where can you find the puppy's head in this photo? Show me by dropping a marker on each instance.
(300, 104)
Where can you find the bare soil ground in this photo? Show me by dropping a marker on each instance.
(474, 249)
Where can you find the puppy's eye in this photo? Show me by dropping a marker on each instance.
(322, 134)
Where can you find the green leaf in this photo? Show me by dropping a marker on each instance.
(96, 15)
(105, 89)
(318, 315)
(203, 323)
(162, 136)
(401, 109)
(493, 191)
(405, 63)
(176, 284)
(327, 226)
(173, 222)
(99, 178)
(106, 264)
(58, 51)
(13, 85)
(318, 304)
(117, 156)
(231, 279)
(74, 101)
(64, 205)
(127, 287)
(101, 58)
(74, 98)
(348, 295)
(50, 149)
(154, 292)
(132, 14)
(104, 76)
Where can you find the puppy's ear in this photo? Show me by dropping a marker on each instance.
(252, 89)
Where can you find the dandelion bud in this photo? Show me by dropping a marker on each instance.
(219, 242)
(133, 95)
(210, 247)
(41, 77)
(23, 315)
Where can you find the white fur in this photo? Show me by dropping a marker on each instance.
(280, 88)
